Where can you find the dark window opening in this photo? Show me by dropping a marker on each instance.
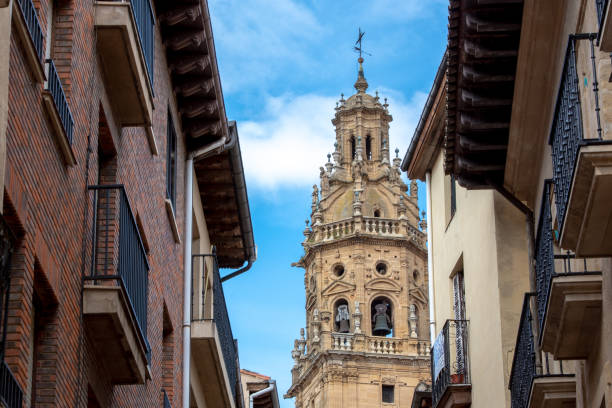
(369, 147)
(381, 268)
(339, 270)
(171, 163)
(377, 213)
(388, 392)
(353, 148)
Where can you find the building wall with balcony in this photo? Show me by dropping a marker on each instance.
(481, 240)
(51, 210)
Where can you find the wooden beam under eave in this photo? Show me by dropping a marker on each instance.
(181, 15)
(181, 40)
(195, 86)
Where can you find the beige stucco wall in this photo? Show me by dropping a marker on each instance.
(487, 239)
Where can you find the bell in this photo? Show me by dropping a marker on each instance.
(382, 322)
(344, 326)
(381, 327)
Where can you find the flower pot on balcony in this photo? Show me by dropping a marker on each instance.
(457, 378)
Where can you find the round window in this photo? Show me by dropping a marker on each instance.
(381, 268)
(339, 270)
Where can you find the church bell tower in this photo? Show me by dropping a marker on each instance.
(366, 340)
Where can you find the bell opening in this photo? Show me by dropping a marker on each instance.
(382, 317)
(342, 318)
(339, 270)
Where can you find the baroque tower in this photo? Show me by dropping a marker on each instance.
(366, 341)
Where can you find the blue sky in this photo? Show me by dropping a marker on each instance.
(283, 65)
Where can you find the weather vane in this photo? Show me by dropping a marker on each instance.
(358, 46)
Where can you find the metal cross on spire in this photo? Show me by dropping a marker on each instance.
(358, 44)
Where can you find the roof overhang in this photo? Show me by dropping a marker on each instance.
(211, 140)
(428, 135)
(220, 177)
(483, 43)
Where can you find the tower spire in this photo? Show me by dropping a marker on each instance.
(361, 85)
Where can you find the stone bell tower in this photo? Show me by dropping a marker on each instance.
(365, 272)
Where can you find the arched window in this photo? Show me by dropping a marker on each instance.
(377, 213)
(413, 319)
(342, 316)
(382, 317)
(353, 148)
(369, 147)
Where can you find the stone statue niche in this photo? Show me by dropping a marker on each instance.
(382, 317)
(343, 318)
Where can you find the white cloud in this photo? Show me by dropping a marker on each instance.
(288, 146)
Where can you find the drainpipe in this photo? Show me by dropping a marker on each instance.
(432, 315)
(271, 389)
(187, 281)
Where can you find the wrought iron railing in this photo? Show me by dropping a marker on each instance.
(118, 253)
(31, 19)
(549, 265)
(600, 6)
(166, 400)
(450, 358)
(528, 363)
(11, 394)
(219, 315)
(145, 23)
(54, 86)
(567, 134)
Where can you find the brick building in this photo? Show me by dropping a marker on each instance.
(118, 165)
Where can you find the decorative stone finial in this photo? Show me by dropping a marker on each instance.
(396, 153)
(328, 157)
(361, 85)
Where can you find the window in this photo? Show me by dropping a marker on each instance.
(342, 319)
(377, 213)
(339, 270)
(381, 268)
(388, 393)
(171, 163)
(353, 148)
(369, 147)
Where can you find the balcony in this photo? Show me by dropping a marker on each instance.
(605, 25)
(59, 113)
(11, 394)
(115, 293)
(450, 366)
(568, 294)
(536, 381)
(582, 164)
(31, 34)
(212, 342)
(126, 43)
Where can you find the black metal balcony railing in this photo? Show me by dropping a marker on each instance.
(118, 253)
(449, 358)
(567, 134)
(600, 6)
(31, 19)
(145, 23)
(11, 394)
(166, 400)
(547, 262)
(526, 366)
(54, 87)
(220, 317)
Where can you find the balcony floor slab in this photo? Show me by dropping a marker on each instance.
(553, 392)
(573, 315)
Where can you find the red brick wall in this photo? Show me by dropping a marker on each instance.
(50, 209)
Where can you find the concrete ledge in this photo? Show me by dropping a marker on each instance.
(573, 316)
(36, 64)
(58, 129)
(587, 227)
(114, 332)
(553, 392)
(456, 396)
(208, 355)
(125, 71)
(172, 220)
